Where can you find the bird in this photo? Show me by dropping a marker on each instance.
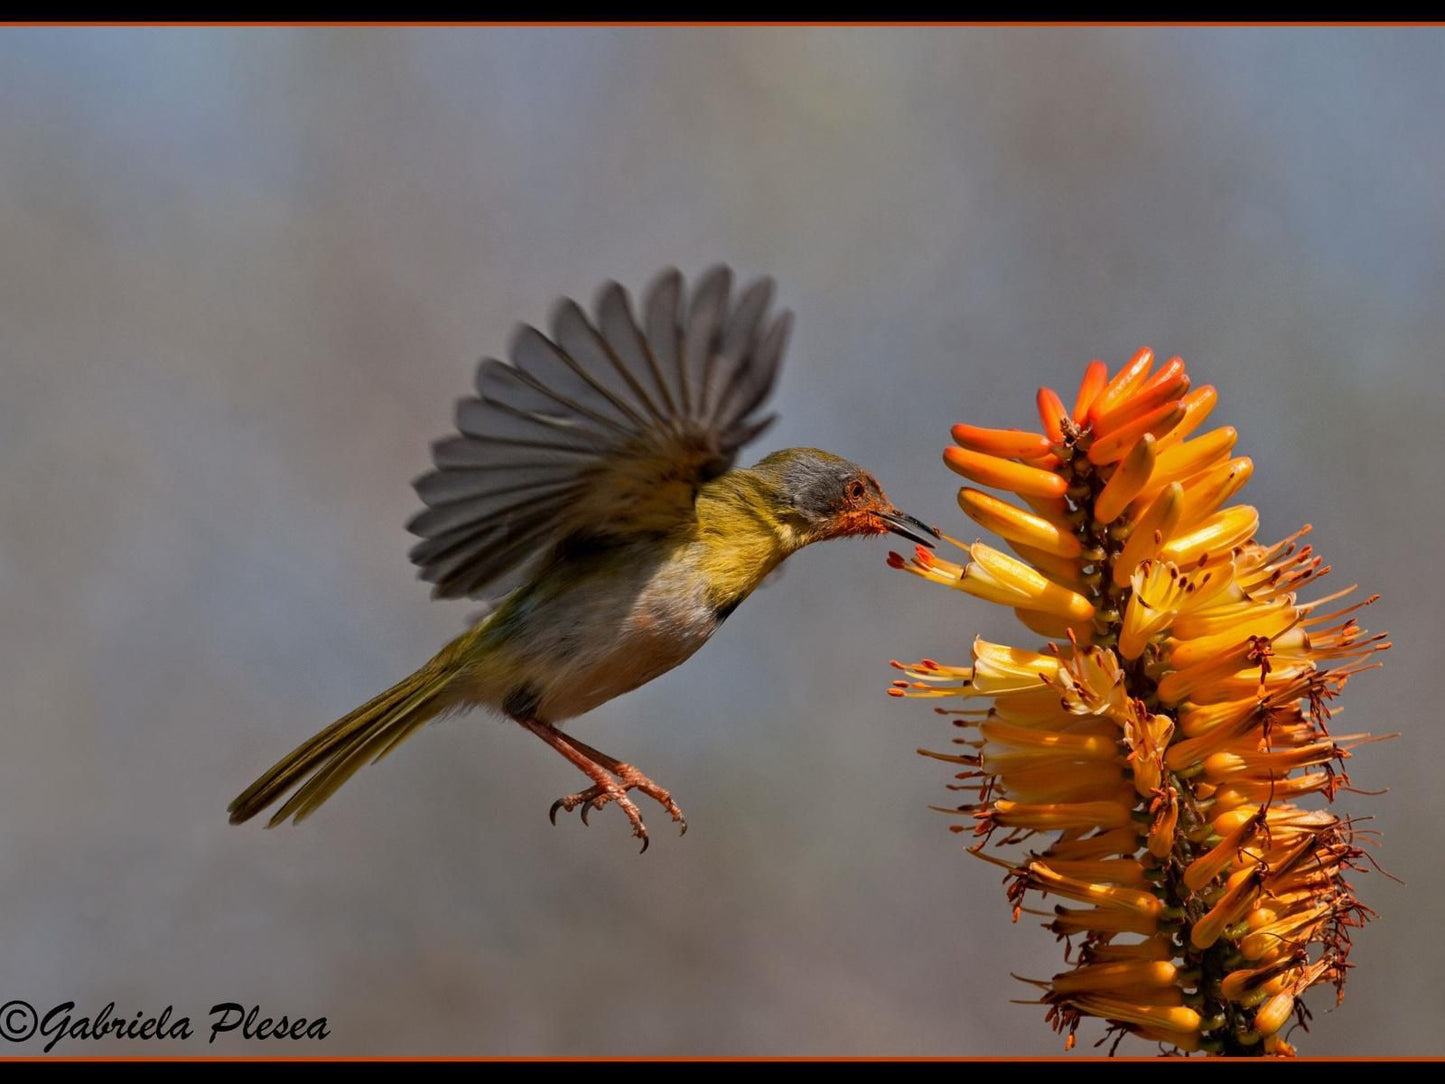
(590, 495)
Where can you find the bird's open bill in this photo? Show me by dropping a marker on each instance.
(912, 529)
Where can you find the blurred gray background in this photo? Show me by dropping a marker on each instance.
(244, 274)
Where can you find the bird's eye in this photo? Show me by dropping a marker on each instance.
(855, 491)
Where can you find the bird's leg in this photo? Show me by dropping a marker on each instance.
(603, 785)
(631, 779)
(596, 766)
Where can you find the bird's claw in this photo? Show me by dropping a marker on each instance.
(598, 795)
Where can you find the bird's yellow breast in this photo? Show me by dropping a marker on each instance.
(738, 541)
(595, 624)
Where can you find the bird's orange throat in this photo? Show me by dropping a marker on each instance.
(861, 522)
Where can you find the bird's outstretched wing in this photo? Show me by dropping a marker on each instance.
(603, 431)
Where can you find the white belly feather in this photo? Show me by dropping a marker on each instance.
(603, 635)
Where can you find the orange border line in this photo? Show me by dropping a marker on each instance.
(1049, 1059)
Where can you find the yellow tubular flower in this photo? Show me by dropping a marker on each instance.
(1119, 389)
(1219, 533)
(1153, 751)
(1208, 490)
(1124, 976)
(1128, 481)
(1197, 405)
(1183, 461)
(997, 577)
(990, 470)
(1148, 534)
(1016, 525)
(1164, 388)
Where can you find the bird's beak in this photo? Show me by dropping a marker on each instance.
(912, 529)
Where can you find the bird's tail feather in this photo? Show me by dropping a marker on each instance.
(334, 755)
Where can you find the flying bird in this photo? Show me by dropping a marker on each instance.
(591, 496)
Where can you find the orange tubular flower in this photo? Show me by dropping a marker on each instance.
(1153, 751)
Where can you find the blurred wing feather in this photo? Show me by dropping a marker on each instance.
(602, 432)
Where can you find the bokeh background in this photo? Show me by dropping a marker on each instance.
(245, 272)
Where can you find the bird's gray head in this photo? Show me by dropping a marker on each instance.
(819, 495)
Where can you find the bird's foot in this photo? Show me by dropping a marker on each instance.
(611, 780)
(627, 778)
